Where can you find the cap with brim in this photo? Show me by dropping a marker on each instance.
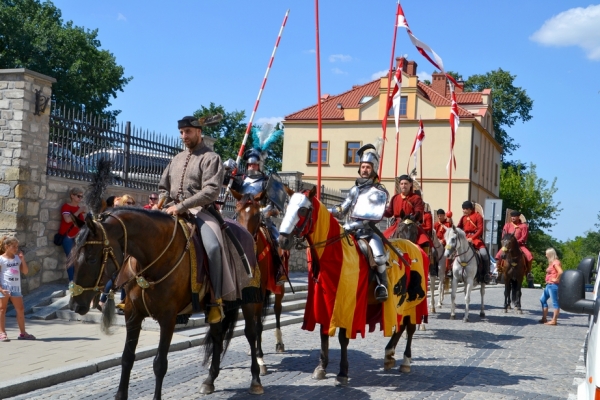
(404, 178)
(467, 205)
(515, 213)
(188, 122)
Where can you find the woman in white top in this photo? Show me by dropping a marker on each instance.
(12, 263)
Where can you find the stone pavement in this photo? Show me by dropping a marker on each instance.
(505, 356)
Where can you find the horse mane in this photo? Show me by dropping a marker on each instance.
(247, 198)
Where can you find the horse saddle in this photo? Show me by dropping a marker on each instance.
(481, 272)
(365, 249)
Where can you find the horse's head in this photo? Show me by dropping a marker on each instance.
(96, 256)
(248, 210)
(509, 242)
(296, 221)
(453, 242)
(407, 229)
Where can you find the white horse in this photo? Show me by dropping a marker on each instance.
(464, 268)
(440, 257)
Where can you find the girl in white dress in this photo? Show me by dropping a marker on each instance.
(12, 263)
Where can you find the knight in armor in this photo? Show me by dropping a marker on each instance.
(521, 231)
(472, 224)
(365, 203)
(255, 181)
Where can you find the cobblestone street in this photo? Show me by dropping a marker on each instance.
(505, 356)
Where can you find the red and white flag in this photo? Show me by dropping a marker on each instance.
(422, 47)
(454, 122)
(417, 143)
(396, 97)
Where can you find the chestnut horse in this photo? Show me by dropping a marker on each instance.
(248, 214)
(161, 289)
(513, 265)
(340, 294)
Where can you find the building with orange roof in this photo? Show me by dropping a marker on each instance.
(353, 118)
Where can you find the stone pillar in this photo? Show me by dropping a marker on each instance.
(24, 147)
(292, 178)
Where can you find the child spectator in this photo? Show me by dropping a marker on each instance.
(12, 263)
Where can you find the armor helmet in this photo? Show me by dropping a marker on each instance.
(254, 156)
(365, 156)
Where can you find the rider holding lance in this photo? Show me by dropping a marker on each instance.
(521, 232)
(442, 224)
(255, 181)
(366, 202)
(472, 224)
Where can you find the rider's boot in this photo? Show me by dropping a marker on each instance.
(215, 313)
(528, 273)
(381, 292)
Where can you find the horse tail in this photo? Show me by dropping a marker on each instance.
(226, 329)
(266, 305)
(108, 316)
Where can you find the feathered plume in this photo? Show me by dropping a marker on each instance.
(100, 180)
(379, 146)
(264, 138)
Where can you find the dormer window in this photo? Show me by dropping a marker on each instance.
(364, 99)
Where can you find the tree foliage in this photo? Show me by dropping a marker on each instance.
(33, 36)
(509, 104)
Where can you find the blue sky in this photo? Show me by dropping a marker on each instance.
(184, 54)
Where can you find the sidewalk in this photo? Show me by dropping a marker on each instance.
(66, 350)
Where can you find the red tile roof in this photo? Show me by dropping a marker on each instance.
(329, 110)
(351, 99)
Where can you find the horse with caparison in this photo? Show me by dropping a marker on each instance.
(249, 215)
(513, 270)
(161, 286)
(464, 269)
(341, 291)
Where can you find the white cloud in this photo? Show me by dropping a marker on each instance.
(338, 71)
(340, 58)
(424, 76)
(379, 74)
(121, 17)
(268, 120)
(311, 51)
(574, 27)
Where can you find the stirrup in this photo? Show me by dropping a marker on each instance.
(381, 297)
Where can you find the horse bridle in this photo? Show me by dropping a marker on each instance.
(107, 251)
(455, 252)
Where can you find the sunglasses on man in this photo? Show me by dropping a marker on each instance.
(153, 198)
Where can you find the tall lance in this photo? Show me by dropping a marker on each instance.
(262, 87)
(319, 116)
(385, 117)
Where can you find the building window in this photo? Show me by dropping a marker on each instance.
(476, 159)
(351, 155)
(313, 149)
(364, 99)
(496, 175)
(403, 102)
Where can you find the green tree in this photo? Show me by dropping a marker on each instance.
(509, 104)
(228, 133)
(33, 36)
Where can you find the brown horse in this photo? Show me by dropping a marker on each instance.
(160, 290)
(248, 212)
(514, 264)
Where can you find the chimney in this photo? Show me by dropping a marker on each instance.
(411, 68)
(458, 89)
(404, 63)
(438, 83)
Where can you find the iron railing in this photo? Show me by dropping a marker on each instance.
(78, 140)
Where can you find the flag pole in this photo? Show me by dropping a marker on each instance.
(387, 97)
(260, 91)
(421, 165)
(319, 116)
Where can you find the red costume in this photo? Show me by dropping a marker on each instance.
(401, 207)
(472, 224)
(521, 232)
(440, 230)
(427, 223)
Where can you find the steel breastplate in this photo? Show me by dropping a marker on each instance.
(253, 185)
(370, 204)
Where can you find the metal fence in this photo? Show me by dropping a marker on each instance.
(78, 140)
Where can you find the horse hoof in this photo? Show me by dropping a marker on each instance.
(341, 380)
(319, 373)
(405, 369)
(466, 319)
(452, 317)
(256, 389)
(263, 370)
(279, 348)
(520, 311)
(207, 388)
(432, 310)
(505, 311)
(422, 327)
(482, 314)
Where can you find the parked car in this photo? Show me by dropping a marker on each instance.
(144, 167)
(574, 284)
(60, 157)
